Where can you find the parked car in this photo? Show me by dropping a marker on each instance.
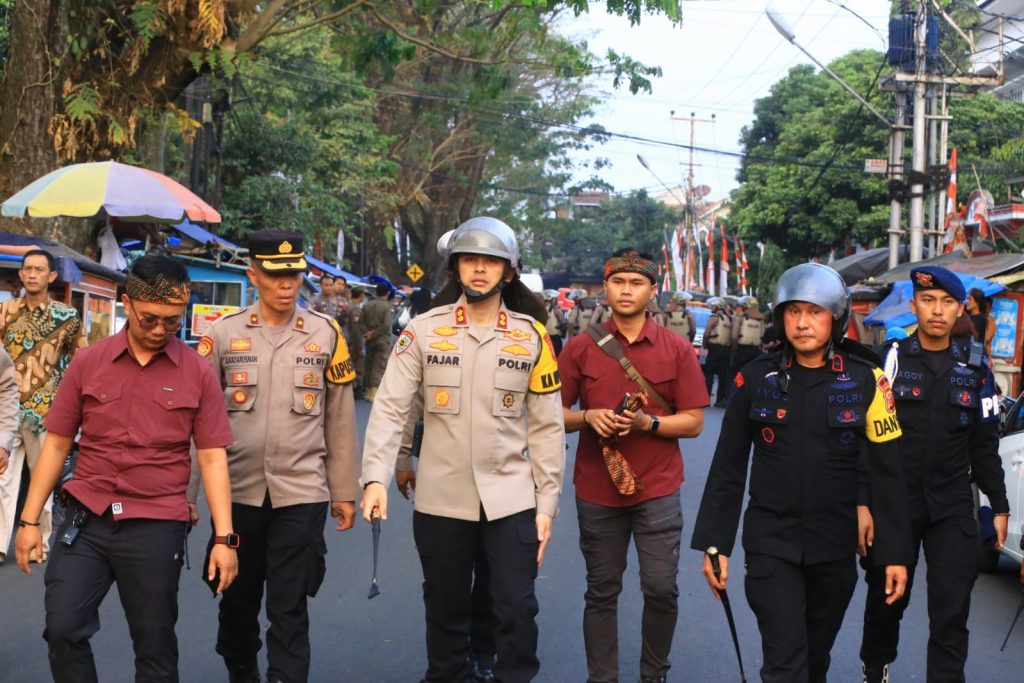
(1011, 450)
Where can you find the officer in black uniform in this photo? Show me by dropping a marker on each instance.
(945, 401)
(808, 409)
(718, 341)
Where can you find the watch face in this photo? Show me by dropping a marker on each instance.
(233, 540)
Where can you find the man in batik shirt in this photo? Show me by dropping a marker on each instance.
(40, 335)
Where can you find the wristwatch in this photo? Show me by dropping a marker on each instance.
(231, 540)
(655, 423)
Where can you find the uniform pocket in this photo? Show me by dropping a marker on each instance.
(510, 392)
(180, 407)
(240, 392)
(307, 396)
(443, 390)
(317, 565)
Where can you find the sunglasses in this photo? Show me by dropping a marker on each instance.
(151, 322)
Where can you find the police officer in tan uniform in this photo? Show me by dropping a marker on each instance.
(678, 319)
(488, 478)
(718, 342)
(747, 331)
(287, 379)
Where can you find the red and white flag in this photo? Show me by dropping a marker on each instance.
(950, 224)
(711, 262)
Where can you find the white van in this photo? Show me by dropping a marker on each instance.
(1011, 451)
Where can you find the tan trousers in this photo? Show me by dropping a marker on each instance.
(24, 450)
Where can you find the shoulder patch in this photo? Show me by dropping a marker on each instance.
(205, 347)
(737, 381)
(882, 422)
(544, 378)
(405, 340)
(340, 370)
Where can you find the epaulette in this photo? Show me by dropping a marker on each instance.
(224, 317)
(320, 315)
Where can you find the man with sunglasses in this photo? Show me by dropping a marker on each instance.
(140, 397)
(287, 377)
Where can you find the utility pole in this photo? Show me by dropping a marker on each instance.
(920, 149)
(896, 174)
(690, 209)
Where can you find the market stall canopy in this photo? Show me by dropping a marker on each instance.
(332, 270)
(70, 263)
(894, 310)
(902, 271)
(104, 189)
(863, 265)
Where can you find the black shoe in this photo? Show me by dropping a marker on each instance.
(874, 673)
(483, 667)
(653, 679)
(243, 671)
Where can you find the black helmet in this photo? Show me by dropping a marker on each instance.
(816, 284)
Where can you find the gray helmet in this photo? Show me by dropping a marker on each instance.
(442, 245)
(487, 236)
(682, 297)
(550, 294)
(715, 302)
(748, 302)
(816, 284)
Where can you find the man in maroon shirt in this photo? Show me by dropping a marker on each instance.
(140, 397)
(648, 439)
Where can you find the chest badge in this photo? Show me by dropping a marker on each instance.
(518, 335)
(240, 344)
(311, 379)
(240, 377)
(312, 347)
(442, 398)
(445, 331)
(515, 350)
(781, 413)
(768, 435)
(239, 396)
(444, 345)
(508, 400)
(308, 400)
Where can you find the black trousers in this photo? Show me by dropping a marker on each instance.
(656, 526)
(283, 548)
(799, 610)
(485, 624)
(448, 549)
(717, 365)
(950, 547)
(143, 557)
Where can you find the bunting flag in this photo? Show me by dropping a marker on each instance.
(711, 263)
(744, 267)
(724, 264)
(677, 261)
(951, 225)
(699, 270)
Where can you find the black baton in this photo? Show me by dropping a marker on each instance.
(712, 553)
(375, 522)
(1020, 608)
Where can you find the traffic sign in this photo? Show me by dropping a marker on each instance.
(414, 272)
(876, 166)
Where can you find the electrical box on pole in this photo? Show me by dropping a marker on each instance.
(902, 52)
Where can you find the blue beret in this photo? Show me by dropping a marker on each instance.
(937, 277)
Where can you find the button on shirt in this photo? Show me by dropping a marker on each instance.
(591, 376)
(137, 423)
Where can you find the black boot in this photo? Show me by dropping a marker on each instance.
(483, 667)
(242, 670)
(875, 673)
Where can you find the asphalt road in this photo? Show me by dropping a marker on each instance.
(382, 640)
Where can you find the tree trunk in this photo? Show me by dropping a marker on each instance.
(31, 95)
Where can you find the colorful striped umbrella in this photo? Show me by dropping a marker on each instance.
(106, 188)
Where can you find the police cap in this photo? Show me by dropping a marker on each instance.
(937, 277)
(277, 251)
